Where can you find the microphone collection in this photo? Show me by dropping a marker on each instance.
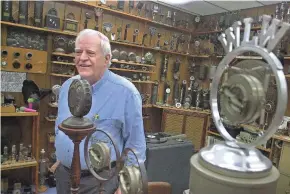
(187, 94)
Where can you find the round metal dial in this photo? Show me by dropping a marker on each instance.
(253, 81)
(123, 56)
(79, 97)
(99, 154)
(241, 96)
(132, 56)
(115, 54)
(148, 56)
(133, 177)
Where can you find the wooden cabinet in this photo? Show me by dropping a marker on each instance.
(34, 145)
(284, 164)
(193, 123)
(283, 186)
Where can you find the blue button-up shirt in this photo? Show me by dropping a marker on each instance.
(116, 109)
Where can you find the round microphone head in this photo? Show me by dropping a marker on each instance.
(56, 89)
(79, 98)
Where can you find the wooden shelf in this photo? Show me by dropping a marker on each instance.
(219, 31)
(251, 57)
(130, 70)
(258, 147)
(62, 63)
(62, 54)
(61, 75)
(112, 42)
(182, 109)
(38, 29)
(282, 138)
(147, 106)
(134, 17)
(132, 63)
(18, 165)
(213, 133)
(143, 82)
(146, 117)
(20, 114)
(158, 50)
(50, 120)
(52, 105)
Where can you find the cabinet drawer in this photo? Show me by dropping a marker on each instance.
(284, 166)
(283, 186)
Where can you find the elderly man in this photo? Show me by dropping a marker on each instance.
(116, 108)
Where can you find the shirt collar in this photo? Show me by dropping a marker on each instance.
(103, 79)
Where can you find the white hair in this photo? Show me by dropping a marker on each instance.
(105, 42)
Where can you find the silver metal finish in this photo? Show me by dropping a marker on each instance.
(235, 162)
(99, 154)
(130, 180)
(243, 97)
(267, 36)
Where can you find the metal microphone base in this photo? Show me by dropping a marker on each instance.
(206, 181)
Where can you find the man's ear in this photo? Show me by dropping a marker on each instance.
(107, 59)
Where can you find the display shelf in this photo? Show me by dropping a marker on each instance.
(143, 82)
(51, 137)
(112, 42)
(38, 29)
(147, 106)
(130, 70)
(61, 75)
(19, 114)
(50, 120)
(251, 57)
(182, 109)
(146, 117)
(258, 147)
(244, 57)
(18, 165)
(130, 16)
(219, 31)
(62, 54)
(282, 138)
(62, 63)
(52, 105)
(132, 63)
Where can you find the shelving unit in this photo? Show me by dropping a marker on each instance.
(34, 144)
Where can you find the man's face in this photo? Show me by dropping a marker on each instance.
(89, 58)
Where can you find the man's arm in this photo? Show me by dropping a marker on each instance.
(133, 132)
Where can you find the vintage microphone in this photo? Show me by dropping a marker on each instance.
(233, 166)
(132, 178)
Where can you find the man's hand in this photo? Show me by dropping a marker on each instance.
(118, 191)
(54, 166)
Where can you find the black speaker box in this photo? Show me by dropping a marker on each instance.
(170, 162)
